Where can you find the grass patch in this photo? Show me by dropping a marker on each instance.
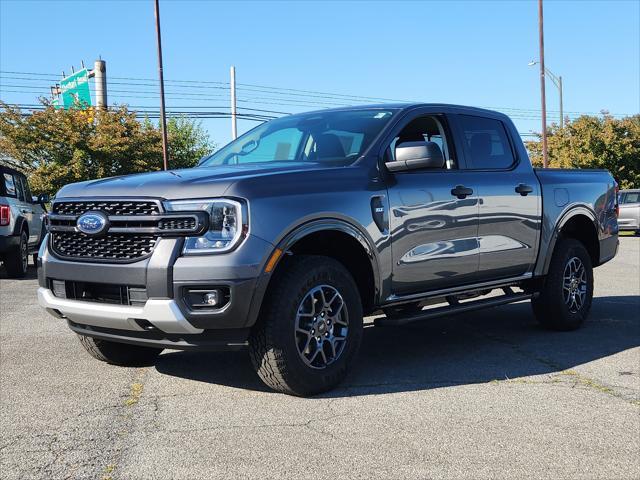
(108, 470)
(134, 394)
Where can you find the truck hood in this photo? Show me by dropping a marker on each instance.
(198, 182)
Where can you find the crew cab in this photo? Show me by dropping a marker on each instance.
(286, 238)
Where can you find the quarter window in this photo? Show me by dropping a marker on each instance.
(9, 185)
(487, 143)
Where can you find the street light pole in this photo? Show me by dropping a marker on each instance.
(545, 158)
(557, 81)
(234, 118)
(163, 118)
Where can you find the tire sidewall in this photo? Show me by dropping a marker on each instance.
(569, 249)
(325, 272)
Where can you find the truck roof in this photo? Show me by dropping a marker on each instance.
(445, 107)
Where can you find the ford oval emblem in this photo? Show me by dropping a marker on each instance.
(92, 223)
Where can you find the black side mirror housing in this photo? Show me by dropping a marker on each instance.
(43, 199)
(416, 155)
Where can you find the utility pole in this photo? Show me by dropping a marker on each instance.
(100, 78)
(234, 122)
(561, 112)
(545, 158)
(163, 118)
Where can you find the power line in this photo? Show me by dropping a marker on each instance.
(283, 96)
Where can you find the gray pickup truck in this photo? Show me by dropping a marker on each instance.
(283, 240)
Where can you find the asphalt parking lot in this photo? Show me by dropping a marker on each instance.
(485, 395)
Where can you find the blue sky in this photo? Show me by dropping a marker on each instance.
(468, 52)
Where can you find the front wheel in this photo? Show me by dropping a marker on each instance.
(121, 354)
(310, 327)
(564, 301)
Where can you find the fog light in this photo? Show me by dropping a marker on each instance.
(59, 288)
(209, 297)
(212, 298)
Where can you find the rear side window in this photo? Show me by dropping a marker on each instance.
(486, 142)
(26, 189)
(9, 185)
(631, 197)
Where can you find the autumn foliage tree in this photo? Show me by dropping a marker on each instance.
(595, 142)
(56, 147)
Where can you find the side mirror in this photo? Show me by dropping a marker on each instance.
(43, 199)
(416, 155)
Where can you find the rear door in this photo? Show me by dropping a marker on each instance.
(508, 194)
(433, 231)
(37, 212)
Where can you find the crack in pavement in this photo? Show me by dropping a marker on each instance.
(583, 380)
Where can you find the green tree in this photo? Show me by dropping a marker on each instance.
(57, 147)
(188, 142)
(595, 142)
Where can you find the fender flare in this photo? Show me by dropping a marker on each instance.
(20, 222)
(300, 231)
(568, 214)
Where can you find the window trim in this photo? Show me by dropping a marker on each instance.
(450, 138)
(469, 158)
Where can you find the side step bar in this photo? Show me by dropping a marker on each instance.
(453, 309)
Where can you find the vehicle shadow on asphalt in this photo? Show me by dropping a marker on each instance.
(496, 344)
(32, 274)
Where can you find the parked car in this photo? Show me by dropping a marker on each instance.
(284, 239)
(629, 217)
(21, 221)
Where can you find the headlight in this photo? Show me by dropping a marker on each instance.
(227, 224)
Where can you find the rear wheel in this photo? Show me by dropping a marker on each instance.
(17, 261)
(119, 353)
(565, 299)
(310, 327)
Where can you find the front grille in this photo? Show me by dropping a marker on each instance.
(132, 231)
(109, 207)
(113, 246)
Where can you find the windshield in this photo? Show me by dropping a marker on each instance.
(335, 137)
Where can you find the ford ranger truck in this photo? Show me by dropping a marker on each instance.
(283, 240)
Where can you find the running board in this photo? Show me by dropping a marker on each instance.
(453, 309)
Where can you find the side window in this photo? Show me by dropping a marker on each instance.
(20, 188)
(425, 129)
(632, 197)
(27, 190)
(486, 142)
(9, 185)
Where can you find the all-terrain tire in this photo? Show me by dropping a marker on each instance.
(554, 307)
(17, 261)
(122, 354)
(274, 346)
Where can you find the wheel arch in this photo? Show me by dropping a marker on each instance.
(321, 237)
(580, 223)
(20, 225)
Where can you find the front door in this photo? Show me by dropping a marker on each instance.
(433, 217)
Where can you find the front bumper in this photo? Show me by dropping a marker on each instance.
(628, 224)
(163, 314)
(165, 317)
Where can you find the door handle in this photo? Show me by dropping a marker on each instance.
(461, 191)
(523, 189)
